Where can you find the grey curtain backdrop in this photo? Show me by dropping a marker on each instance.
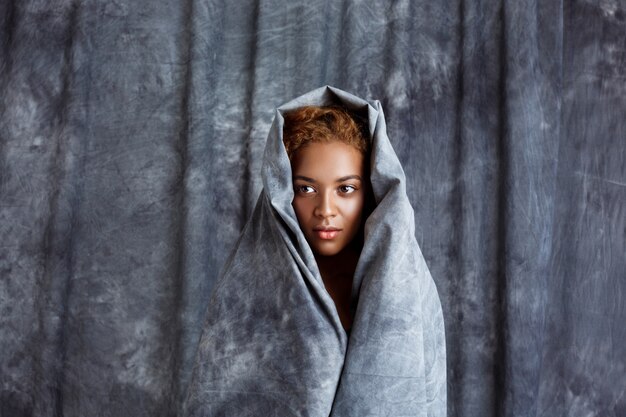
(131, 143)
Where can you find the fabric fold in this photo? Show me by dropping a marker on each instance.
(273, 344)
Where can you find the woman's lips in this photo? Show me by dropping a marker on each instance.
(327, 234)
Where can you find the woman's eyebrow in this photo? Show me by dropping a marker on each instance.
(302, 177)
(342, 179)
(349, 177)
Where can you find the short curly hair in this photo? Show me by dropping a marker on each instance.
(314, 124)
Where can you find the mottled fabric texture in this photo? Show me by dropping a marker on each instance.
(273, 344)
(131, 144)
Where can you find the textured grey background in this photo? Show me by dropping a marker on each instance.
(131, 136)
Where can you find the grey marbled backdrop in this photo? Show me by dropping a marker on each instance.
(131, 136)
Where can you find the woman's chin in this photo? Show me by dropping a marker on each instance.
(326, 249)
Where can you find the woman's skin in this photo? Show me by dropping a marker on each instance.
(329, 192)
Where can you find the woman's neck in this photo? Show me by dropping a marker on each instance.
(337, 272)
(342, 263)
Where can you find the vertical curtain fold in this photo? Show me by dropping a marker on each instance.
(131, 138)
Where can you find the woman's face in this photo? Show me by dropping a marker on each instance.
(329, 194)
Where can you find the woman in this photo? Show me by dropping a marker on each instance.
(313, 262)
(327, 150)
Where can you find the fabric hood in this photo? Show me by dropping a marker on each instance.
(272, 342)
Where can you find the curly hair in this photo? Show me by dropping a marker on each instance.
(313, 124)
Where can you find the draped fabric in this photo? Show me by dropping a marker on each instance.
(273, 344)
(131, 140)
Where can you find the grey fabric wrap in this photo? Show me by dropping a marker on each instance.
(273, 344)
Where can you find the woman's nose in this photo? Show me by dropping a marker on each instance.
(325, 207)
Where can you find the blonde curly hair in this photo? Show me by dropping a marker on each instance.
(314, 124)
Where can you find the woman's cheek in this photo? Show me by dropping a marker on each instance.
(300, 206)
(354, 207)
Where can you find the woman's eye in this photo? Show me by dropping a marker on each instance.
(306, 189)
(347, 189)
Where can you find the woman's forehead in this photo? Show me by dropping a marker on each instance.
(327, 161)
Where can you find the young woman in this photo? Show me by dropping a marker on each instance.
(328, 151)
(325, 306)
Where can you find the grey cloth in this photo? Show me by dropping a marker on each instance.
(131, 143)
(273, 344)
